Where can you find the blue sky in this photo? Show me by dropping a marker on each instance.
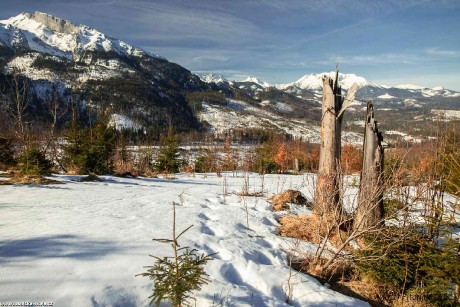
(386, 41)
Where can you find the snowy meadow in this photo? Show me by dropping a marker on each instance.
(82, 243)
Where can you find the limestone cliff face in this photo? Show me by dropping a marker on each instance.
(55, 24)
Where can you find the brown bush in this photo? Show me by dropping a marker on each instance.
(351, 159)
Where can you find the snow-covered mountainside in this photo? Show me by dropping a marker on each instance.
(313, 82)
(241, 115)
(311, 85)
(409, 87)
(213, 78)
(47, 34)
(86, 65)
(256, 81)
(77, 63)
(367, 89)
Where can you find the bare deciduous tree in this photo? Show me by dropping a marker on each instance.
(17, 107)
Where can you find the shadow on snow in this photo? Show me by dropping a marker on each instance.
(58, 246)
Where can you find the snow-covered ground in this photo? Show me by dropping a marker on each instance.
(386, 96)
(446, 114)
(121, 122)
(80, 244)
(403, 136)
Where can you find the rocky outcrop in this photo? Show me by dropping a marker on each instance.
(55, 24)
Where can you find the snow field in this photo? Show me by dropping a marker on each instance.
(80, 244)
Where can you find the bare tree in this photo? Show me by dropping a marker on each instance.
(17, 108)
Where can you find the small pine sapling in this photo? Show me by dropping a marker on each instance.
(176, 277)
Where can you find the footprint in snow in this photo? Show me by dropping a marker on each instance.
(203, 216)
(267, 221)
(206, 230)
(229, 272)
(258, 257)
(264, 243)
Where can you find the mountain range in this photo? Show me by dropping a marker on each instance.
(80, 66)
(312, 83)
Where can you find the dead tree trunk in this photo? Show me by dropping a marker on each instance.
(327, 169)
(370, 209)
(334, 104)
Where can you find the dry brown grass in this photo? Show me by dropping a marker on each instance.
(368, 290)
(149, 173)
(18, 178)
(310, 228)
(341, 274)
(168, 176)
(251, 194)
(91, 178)
(281, 201)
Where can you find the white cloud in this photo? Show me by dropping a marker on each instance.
(442, 52)
(214, 58)
(172, 22)
(385, 58)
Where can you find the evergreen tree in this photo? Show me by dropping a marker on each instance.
(168, 159)
(101, 148)
(178, 276)
(413, 264)
(33, 161)
(6, 152)
(91, 150)
(264, 160)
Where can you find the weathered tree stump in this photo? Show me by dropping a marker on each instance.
(370, 211)
(334, 105)
(327, 169)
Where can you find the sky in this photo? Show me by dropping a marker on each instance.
(386, 41)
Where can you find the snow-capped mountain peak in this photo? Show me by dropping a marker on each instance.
(409, 87)
(314, 82)
(213, 78)
(51, 35)
(256, 81)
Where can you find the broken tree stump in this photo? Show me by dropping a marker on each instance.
(334, 104)
(370, 211)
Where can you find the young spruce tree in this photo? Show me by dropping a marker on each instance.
(178, 276)
(91, 150)
(168, 160)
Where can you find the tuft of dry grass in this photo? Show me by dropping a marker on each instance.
(149, 173)
(282, 200)
(168, 176)
(251, 194)
(304, 227)
(127, 174)
(17, 178)
(370, 291)
(312, 228)
(125, 169)
(91, 178)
